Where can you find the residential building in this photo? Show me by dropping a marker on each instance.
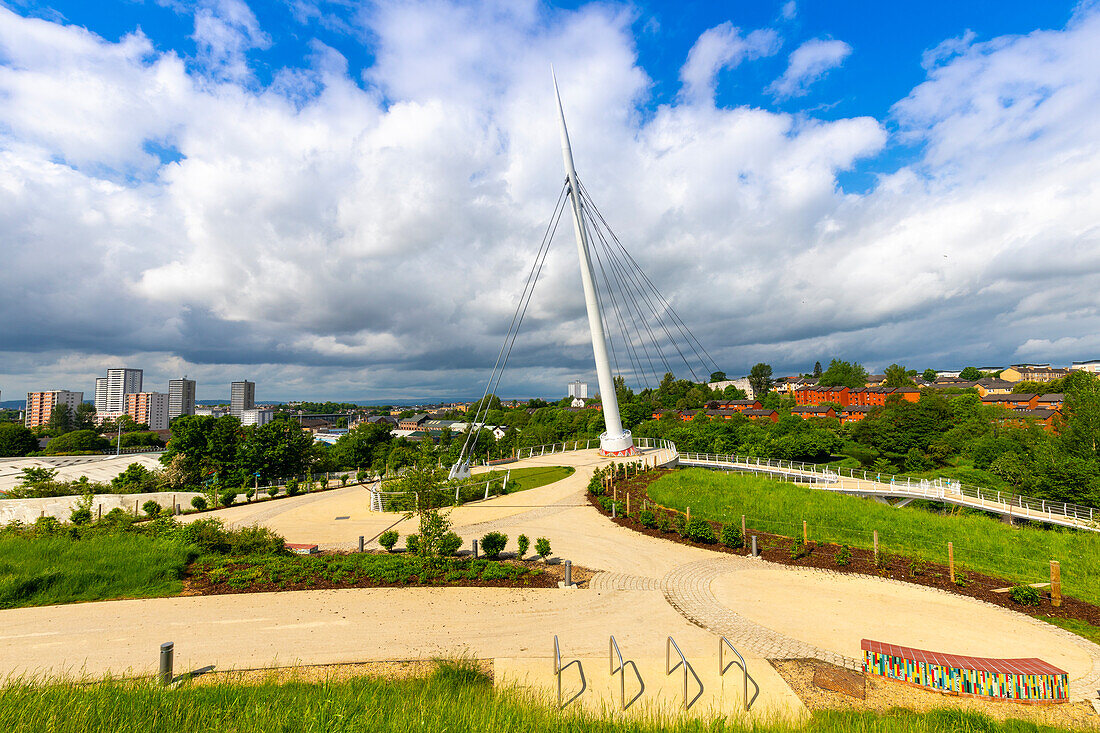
(111, 391)
(578, 389)
(148, 408)
(1033, 373)
(181, 397)
(741, 384)
(807, 411)
(854, 413)
(988, 386)
(242, 396)
(40, 405)
(214, 412)
(1054, 401)
(413, 422)
(1013, 401)
(875, 380)
(954, 373)
(734, 405)
(1092, 365)
(254, 416)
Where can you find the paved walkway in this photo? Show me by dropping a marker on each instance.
(647, 588)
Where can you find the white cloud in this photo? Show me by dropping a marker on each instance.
(718, 48)
(335, 240)
(225, 31)
(807, 64)
(790, 10)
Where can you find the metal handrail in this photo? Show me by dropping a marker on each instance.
(558, 669)
(612, 652)
(723, 642)
(670, 644)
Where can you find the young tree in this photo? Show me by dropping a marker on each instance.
(760, 377)
(61, 419)
(84, 417)
(970, 374)
(718, 376)
(929, 375)
(817, 368)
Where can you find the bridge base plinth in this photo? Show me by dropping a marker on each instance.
(618, 445)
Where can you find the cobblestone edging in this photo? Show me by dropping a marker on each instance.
(624, 581)
(687, 589)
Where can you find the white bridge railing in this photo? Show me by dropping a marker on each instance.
(571, 445)
(858, 481)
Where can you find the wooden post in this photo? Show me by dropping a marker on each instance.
(628, 503)
(689, 515)
(99, 511)
(951, 559)
(743, 528)
(1055, 583)
(805, 533)
(876, 545)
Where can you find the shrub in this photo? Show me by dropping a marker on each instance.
(292, 488)
(1025, 595)
(731, 536)
(493, 543)
(699, 530)
(800, 549)
(681, 524)
(843, 555)
(151, 508)
(80, 515)
(961, 578)
(255, 540)
(412, 543)
(388, 539)
(206, 534)
(449, 544)
(916, 567)
(249, 494)
(360, 476)
(522, 543)
(664, 523)
(199, 503)
(647, 518)
(47, 526)
(272, 491)
(344, 479)
(228, 498)
(605, 503)
(542, 547)
(883, 559)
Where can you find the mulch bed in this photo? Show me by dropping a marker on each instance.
(548, 577)
(777, 548)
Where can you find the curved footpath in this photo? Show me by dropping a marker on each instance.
(648, 588)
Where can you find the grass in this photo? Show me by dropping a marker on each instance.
(456, 697)
(51, 570)
(522, 479)
(981, 543)
(294, 571)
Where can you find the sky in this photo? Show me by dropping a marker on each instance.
(341, 199)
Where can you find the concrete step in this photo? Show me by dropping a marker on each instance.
(664, 694)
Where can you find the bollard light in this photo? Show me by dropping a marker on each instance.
(360, 543)
(475, 549)
(754, 545)
(568, 573)
(166, 653)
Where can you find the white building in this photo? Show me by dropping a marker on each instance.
(1093, 365)
(111, 391)
(211, 411)
(256, 416)
(578, 389)
(181, 397)
(741, 384)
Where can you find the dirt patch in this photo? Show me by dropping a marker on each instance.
(778, 549)
(838, 679)
(884, 695)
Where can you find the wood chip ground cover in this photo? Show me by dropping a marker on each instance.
(257, 574)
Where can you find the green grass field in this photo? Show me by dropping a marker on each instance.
(48, 570)
(455, 698)
(522, 479)
(981, 543)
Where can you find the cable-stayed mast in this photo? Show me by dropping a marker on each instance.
(615, 440)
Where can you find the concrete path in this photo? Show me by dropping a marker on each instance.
(648, 588)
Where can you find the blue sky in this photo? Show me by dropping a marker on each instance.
(306, 193)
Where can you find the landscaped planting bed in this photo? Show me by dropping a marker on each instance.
(265, 573)
(671, 524)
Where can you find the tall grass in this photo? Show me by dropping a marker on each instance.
(49, 570)
(981, 543)
(452, 699)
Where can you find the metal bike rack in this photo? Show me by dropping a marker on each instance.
(723, 642)
(670, 644)
(612, 652)
(558, 669)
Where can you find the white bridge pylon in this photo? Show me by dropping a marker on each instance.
(614, 441)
